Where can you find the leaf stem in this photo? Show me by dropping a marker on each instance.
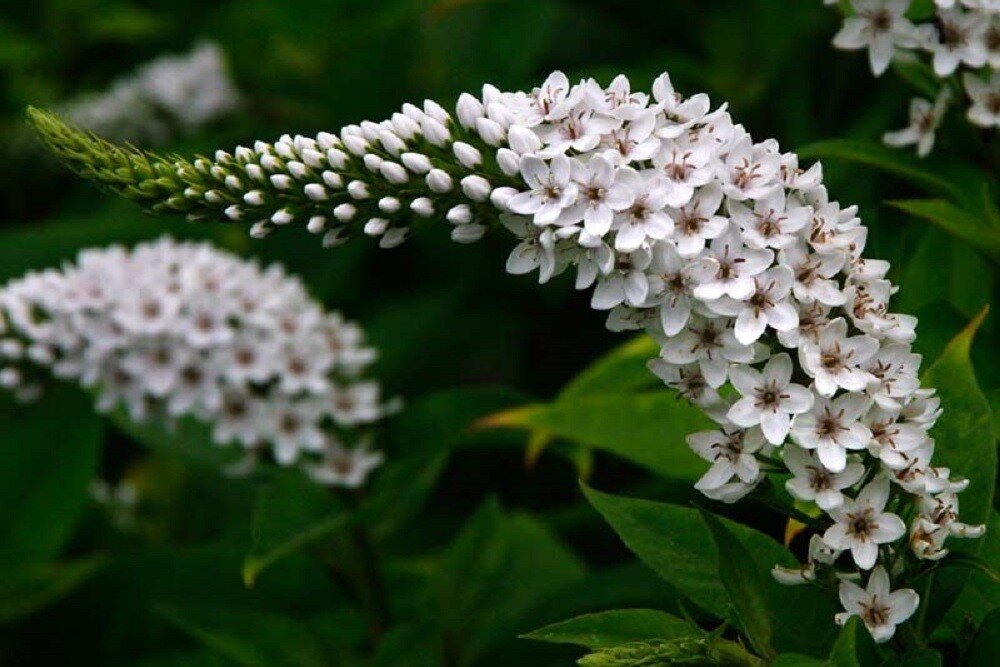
(372, 592)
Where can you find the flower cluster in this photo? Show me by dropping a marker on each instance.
(168, 95)
(725, 250)
(963, 38)
(180, 329)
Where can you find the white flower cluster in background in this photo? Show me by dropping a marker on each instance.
(170, 95)
(174, 329)
(724, 249)
(962, 41)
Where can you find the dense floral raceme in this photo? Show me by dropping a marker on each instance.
(181, 329)
(725, 250)
(165, 97)
(963, 39)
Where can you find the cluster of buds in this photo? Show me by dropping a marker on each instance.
(172, 330)
(723, 249)
(174, 93)
(963, 38)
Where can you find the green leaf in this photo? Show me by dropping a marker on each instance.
(676, 544)
(982, 594)
(250, 638)
(854, 646)
(646, 429)
(499, 568)
(46, 467)
(985, 646)
(620, 370)
(884, 159)
(797, 660)
(924, 657)
(611, 628)
(958, 221)
(744, 585)
(966, 445)
(289, 514)
(186, 437)
(292, 512)
(27, 590)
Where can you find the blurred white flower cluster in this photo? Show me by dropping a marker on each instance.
(963, 38)
(172, 94)
(181, 329)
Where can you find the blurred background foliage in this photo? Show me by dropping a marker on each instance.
(459, 338)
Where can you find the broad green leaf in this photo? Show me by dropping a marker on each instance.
(250, 638)
(985, 646)
(611, 628)
(982, 594)
(966, 445)
(958, 221)
(744, 585)
(620, 370)
(647, 429)
(289, 514)
(676, 544)
(47, 462)
(26, 590)
(885, 159)
(499, 568)
(854, 647)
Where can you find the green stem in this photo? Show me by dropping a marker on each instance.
(371, 590)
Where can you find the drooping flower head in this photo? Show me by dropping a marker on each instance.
(725, 250)
(171, 330)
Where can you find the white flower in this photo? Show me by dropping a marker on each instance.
(601, 194)
(551, 189)
(733, 269)
(894, 368)
(772, 222)
(731, 453)
(684, 170)
(961, 41)
(677, 113)
(749, 171)
(985, 95)
(893, 441)
(878, 25)
(832, 427)
(769, 398)
(819, 553)
(710, 343)
(671, 280)
(688, 380)
(535, 251)
(767, 305)
(813, 482)
(347, 468)
(625, 283)
(814, 273)
(696, 221)
(878, 607)
(924, 121)
(645, 217)
(942, 510)
(862, 524)
(835, 359)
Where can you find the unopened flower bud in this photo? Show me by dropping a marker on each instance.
(388, 204)
(522, 140)
(490, 131)
(459, 215)
(344, 212)
(315, 191)
(439, 181)
(508, 161)
(316, 224)
(476, 188)
(394, 173)
(416, 162)
(358, 189)
(468, 109)
(281, 181)
(376, 226)
(423, 207)
(467, 154)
